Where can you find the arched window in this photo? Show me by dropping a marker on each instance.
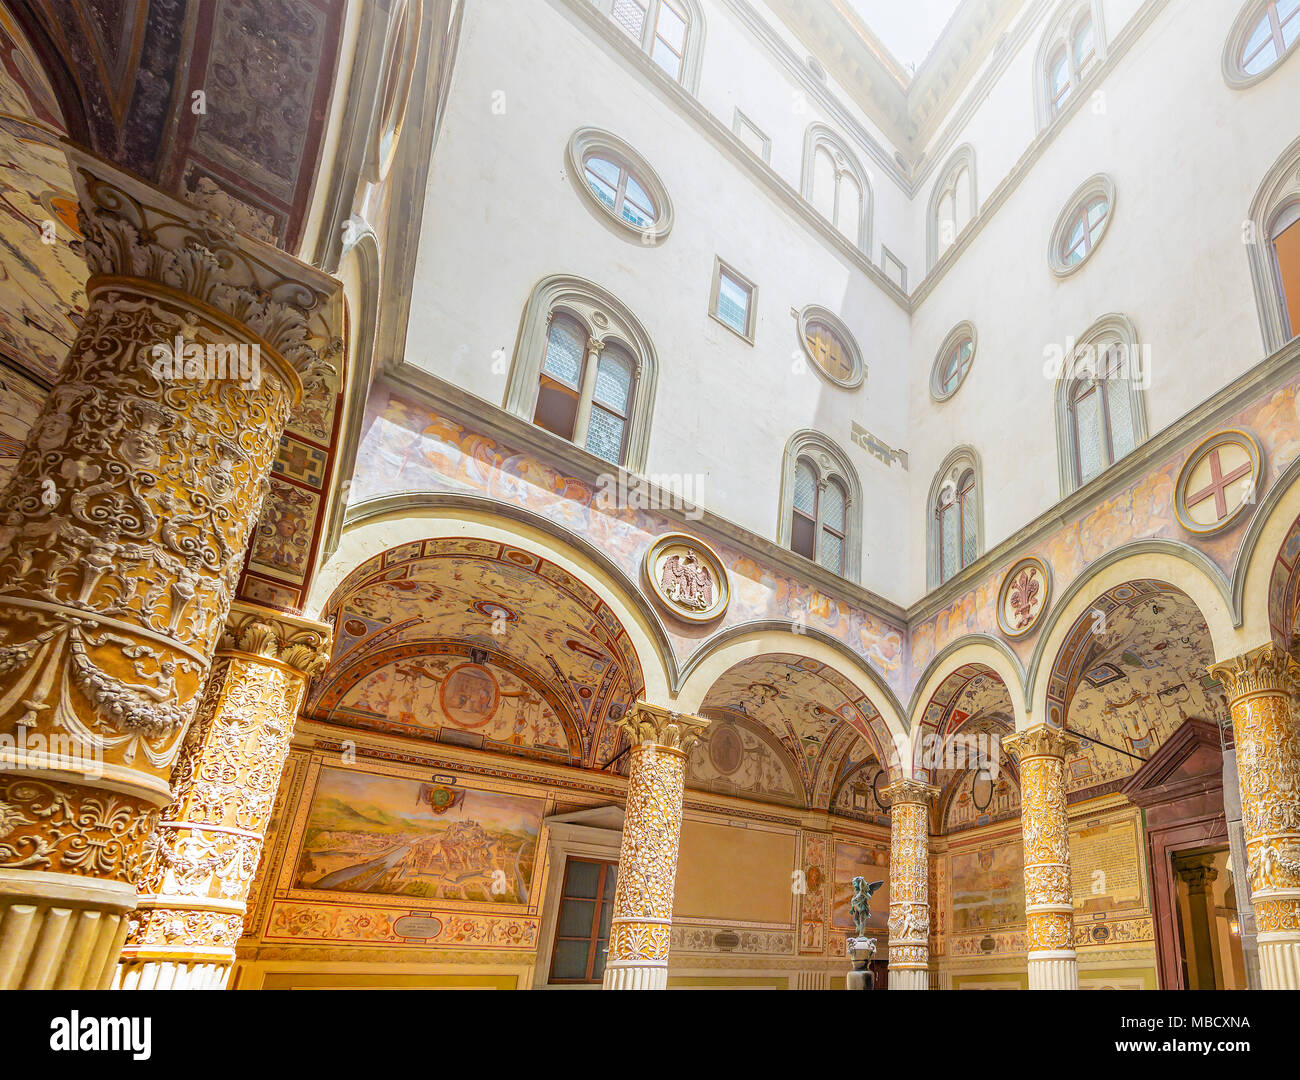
(1072, 47)
(1100, 411)
(956, 527)
(1261, 38)
(619, 185)
(584, 370)
(1082, 224)
(820, 497)
(953, 361)
(1273, 232)
(952, 202)
(836, 185)
(670, 32)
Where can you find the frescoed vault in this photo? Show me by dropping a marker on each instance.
(808, 708)
(478, 644)
(1130, 671)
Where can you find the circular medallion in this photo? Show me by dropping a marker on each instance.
(726, 751)
(1218, 481)
(469, 695)
(687, 577)
(1023, 598)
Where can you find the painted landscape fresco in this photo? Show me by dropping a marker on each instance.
(397, 837)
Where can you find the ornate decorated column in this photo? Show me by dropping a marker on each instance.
(1265, 728)
(909, 884)
(205, 850)
(647, 858)
(1049, 900)
(122, 535)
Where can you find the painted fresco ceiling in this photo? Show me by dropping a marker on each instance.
(1131, 677)
(478, 644)
(801, 704)
(42, 270)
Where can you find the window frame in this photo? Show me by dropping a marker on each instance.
(956, 465)
(738, 121)
(829, 464)
(1112, 328)
(688, 76)
(722, 268)
(1277, 192)
(843, 160)
(1087, 194)
(963, 331)
(606, 867)
(1063, 33)
(591, 142)
(815, 313)
(605, 319)
(1234, 68)
(961, 158)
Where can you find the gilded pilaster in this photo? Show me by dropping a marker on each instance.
(1265, 728)
(122, 535)
(647, 860)
(909, 884)
(1049, 900)
(206, 848)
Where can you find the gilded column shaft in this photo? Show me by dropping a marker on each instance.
(1049, 898)
(647, 863)
(122, 534)
(909, 884)
(1267, 733)
(207, 847)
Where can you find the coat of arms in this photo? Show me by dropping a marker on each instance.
(687, 581)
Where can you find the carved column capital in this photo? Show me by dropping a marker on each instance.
(1265, 670)
(302, 644)
(136, 231)
(646, 723)
(1042, 740)
(908, 790)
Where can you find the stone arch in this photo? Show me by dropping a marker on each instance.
(1266, 580)
(1167, 561)
(378, 525)
(883, 730)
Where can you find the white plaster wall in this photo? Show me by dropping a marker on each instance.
(501, 214)
(1186, 154)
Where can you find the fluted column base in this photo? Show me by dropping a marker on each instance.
(60, 931)
(1058, 970)
(170, 975)
(812, 980)
(909, 979)
(635, 976)
(1279, 961)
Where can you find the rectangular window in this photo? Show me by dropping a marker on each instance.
(582, 926)
(733, 299)
(893, 267)
(758, 143)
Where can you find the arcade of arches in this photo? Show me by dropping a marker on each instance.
(485, 730)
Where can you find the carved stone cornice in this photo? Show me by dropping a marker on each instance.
(1267, 669)
(646, 723)
(134, 230)
(909, 791)
(299, 643)
(1042, 740)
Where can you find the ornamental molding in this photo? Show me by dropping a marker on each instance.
(646, 723)
(134, 230)
(1041, 740)
(1267, 669)
(300, 643)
